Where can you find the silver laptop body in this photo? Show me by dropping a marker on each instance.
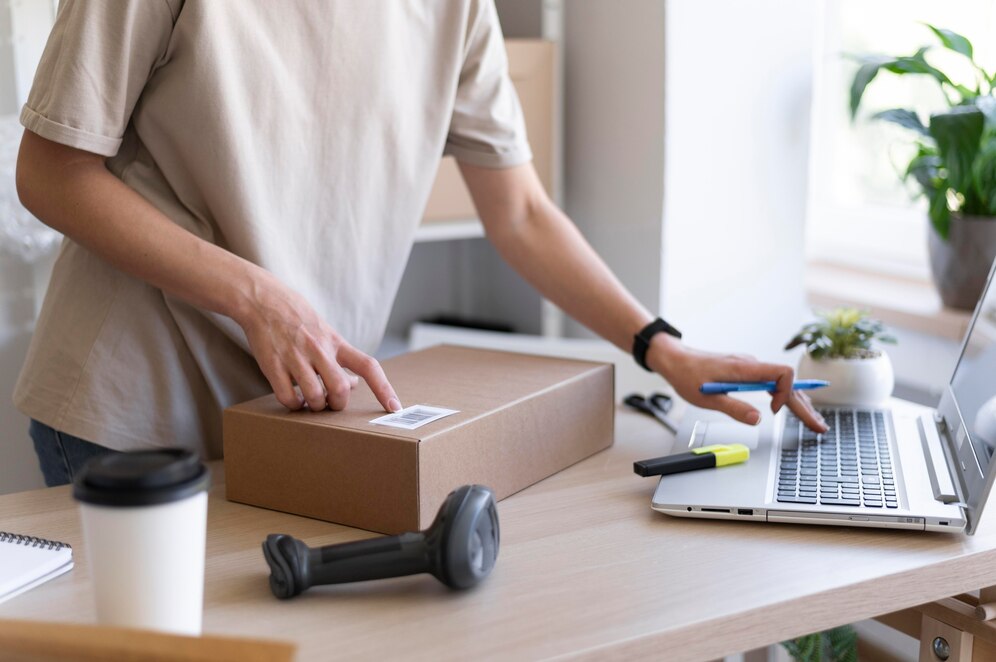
(928, 472)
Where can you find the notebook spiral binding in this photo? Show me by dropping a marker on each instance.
(31, 541)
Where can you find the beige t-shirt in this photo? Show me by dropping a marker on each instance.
(302, 135)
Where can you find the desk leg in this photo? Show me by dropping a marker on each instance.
(944, 638)
(986, 611)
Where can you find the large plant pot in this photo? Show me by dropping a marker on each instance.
(865, 382)
(961, 264)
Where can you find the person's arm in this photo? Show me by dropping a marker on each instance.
(544, 246)
(73, 192)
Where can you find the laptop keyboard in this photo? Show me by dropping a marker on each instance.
(848, 465)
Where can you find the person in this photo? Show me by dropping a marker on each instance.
(239, 185)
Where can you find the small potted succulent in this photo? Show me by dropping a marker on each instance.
(840, 349)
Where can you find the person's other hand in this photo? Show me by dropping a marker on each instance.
(687, 369)
(293, 345)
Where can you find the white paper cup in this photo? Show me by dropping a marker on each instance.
(144, 521)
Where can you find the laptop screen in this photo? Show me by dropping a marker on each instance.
(968, 409)
(974, 381)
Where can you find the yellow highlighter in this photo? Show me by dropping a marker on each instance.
(707, 457)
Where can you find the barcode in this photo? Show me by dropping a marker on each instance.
(416, 416)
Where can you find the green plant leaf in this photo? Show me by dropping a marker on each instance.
(843, 644)
(952, 40)
(905, 118)
(837, 645)
(987, 104)
(865, 74)
(841, 333)
(954, 165)
(958, 132)
(984, 175)
(798, 339)
(925, 168)
(940, 215)
(916, 64)
(907, 64)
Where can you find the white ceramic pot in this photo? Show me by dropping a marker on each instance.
(866, 382)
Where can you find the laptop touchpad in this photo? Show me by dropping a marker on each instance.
(708, 433)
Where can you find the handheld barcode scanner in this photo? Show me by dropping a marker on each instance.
(459, 549)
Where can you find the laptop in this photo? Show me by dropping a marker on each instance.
(893, 468)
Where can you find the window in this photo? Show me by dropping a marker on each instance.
(860, 212)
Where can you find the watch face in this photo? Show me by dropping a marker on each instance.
(656, 327)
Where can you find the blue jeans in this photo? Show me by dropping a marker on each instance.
(61, 455)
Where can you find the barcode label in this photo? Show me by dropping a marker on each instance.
(413, 417)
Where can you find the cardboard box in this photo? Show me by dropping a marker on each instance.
(521, 418)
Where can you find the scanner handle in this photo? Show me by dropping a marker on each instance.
(393, 556)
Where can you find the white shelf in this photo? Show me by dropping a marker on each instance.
(470, 228)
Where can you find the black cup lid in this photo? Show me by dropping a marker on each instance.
(141, 478)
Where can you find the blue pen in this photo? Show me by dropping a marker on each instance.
(714, 388)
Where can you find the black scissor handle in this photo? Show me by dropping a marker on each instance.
(637, 401)
(661, 401)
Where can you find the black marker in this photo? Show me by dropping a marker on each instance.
(707, 457)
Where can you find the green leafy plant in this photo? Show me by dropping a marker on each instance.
(955, 160)
(842, 333)
(836, 645)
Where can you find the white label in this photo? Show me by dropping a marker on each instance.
(413, 417)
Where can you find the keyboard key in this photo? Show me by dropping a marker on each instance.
(840, 502)
(870, 480)
(792, 499)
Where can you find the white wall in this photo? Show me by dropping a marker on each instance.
(736, 138)
(614, 135)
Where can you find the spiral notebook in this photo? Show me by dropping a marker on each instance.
(27, 561)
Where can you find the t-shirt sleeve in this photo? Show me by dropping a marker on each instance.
(487, 128)
(98, 59)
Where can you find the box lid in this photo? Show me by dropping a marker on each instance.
(472, 381)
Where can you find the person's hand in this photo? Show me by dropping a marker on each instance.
(293, 345)
(687, 369)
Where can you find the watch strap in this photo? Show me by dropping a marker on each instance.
(641, 341)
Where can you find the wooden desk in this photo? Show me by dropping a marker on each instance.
(586, 568)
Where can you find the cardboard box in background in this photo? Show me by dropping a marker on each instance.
(521, 418)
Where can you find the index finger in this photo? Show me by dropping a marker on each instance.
(369, 369)
(782, 375)
(802, 406)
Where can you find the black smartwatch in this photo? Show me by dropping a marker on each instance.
(641, 341)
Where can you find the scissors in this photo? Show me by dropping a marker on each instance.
(656, 405)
